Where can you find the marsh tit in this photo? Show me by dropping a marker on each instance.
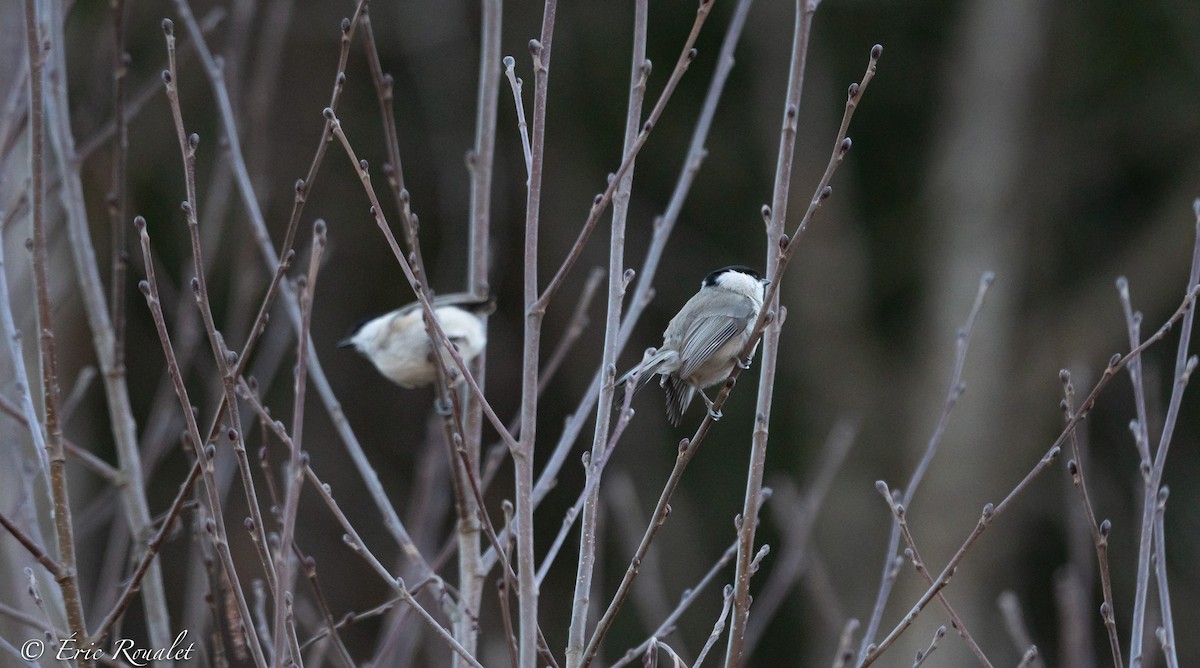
(400, 348)
(702, 342)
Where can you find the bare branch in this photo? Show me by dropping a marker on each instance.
(617, 281)
(1183, 366)
(1014, 622)
(204, 451)
(953, 393)
(1099, 530)
(734, 652)
(899, 512)
(1165, 633)
(64, 530)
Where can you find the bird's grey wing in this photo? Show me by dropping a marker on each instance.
(466, 301)
(731, 315)
(463, 300)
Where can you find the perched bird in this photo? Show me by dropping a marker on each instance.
(398, 345)
(702, 342)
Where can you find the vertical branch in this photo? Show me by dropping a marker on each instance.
(1099, 531)
(480, 164)
(12, 336)
(1183, 367)
(117, 201)
(618, 280)
(298, 460)
(766, 383)
(534, 313)
(225, 359)
(1166, 633)
(465, 617)
(1133, 323)
(91, 292)
(54, 438)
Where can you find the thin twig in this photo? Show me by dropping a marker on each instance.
(298, 461)
(134, 581)
(27, 414)
(1183, 364)
(1166, 632)
(1099, 530)
(1014, 623)
(990, 512)
(624, 510)
(356, 543)
(515, 84)
(900, 514)
(845, 651)
(27, 619)
(1141, 431)
(795, 517)
(576, 326)
(117, 201)
(145, 93)
(307, 562)
(82, 382)
(351, 537)
(39, 553)
(718, 627)
(591, 482)
(64, 531)
(689, 596)
(1028, 658)
(953, 393)
(481, 163)
(1073, 606)
(199, 285)
(35, 592)
(204, 453)
(922, 655)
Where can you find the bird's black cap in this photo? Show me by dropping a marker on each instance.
(711, 279)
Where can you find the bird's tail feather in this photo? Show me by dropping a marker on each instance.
(679, 395)
(645, 370)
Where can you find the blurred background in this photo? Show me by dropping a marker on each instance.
(1056, 144)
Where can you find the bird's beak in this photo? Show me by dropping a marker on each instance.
(346, 343)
